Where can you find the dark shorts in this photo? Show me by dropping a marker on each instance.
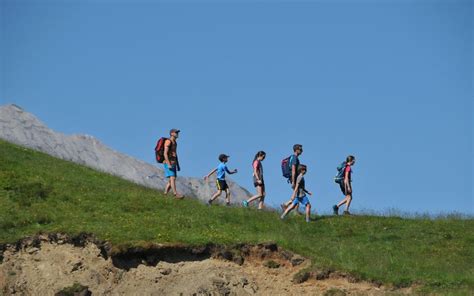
(222, 185)
(343, 188)
(259, 184)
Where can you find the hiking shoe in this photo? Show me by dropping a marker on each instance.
(308, 220)
(245, 203)
(209, 202)
(347, 213)
(335, 208)
(227, 204)
(283, 207)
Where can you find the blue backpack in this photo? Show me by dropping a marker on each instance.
(286, 167)
(340, 173)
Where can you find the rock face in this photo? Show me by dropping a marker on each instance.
(23, 128)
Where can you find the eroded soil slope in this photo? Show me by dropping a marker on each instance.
(46, 264)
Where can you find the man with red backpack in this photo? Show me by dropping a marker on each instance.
(166, 153)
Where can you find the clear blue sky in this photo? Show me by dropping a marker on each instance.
(388, 81)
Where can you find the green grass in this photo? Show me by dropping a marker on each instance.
(39, 193)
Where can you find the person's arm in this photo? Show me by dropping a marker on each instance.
(308, 192)
(167, 149)
(210, 174)
(229, 172)
(293, 175)
(295, 191)
(347, 184)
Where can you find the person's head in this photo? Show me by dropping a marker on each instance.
(350, 160)
(302, 169)
(223, 158)
(298, 149)
(174, 133)
(260, 155)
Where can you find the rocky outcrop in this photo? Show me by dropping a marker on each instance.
(22, 128)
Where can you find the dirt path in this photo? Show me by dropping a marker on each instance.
(49, 267)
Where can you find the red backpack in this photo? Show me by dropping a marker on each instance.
(160, 150)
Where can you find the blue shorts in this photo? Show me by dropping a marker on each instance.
(170, 172)
(303, 200)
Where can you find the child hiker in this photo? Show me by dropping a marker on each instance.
(299, 194)
(346, 186)
(258, 181)
(221, 182)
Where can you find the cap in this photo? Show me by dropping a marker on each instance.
(174, 130)
(223, 156)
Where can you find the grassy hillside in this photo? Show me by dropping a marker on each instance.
(41, 193)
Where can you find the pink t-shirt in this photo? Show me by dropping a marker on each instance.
(348, 169)
(258, 166)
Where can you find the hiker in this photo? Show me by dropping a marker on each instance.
(258, 181)
(171, 163)
(221, 183)
(299, 194)
(290, 168)
(344, 178)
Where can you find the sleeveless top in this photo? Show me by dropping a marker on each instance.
(172, 154)
(258, 165)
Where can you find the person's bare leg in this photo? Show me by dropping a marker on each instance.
(308, 212)
(227, 193)
(349, 200)
(173, 186)
(168, 187)
(285, 205)
(342, 202)
(216, 195)
(297, 206)
(256, 196)
(288, 203)
(262, 200)
(298, 210)
(288, 209)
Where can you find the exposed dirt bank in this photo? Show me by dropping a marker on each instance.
(47, 264)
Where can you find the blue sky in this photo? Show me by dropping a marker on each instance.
(388, 81)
